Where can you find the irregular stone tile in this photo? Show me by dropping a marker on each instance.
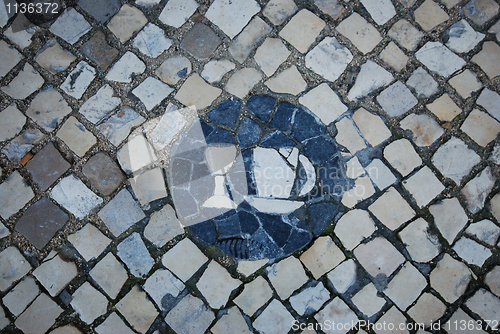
(492, 279)
(329, 58)
(177, 12)
(162, 286)
(113, 324)
(348, 136)
(481, 11)
(136, 154)
(39, 316)
(151, 92)
(485, 304)
(378, 256)
(231, 322)
(27, 81)
(125, 68)
(103, 173)
(331, 7)
(246, 41)
(427, 309)
(363, 189)
(371, 77)
(11, 122)
(41, 221)
(14, 194)
(489, 100)
(89, 242)
(495, 29)
(121, 213)
(477, 189)
(70, 26)
(55, 274)
(21, 31)
(76, 136)
(190, 316)
(196, 92)
(462, 37)
(4, 231)
(380, 10)
(324, 103)
(270, 55)
(100, 10)
(336, 309)
(471, 251)
(396, 99)
(13, 266)
(362, 34)
(484, 230)
(78, 80)
(163, 226)
(89, 303)
(420, 243)
(68, 329)
(394, 57)
(138, 310)
(162, 131)
(487, 59)
(372, 127)
(301, 31)
(54, 58)
(444, 108)
(274, 318)
(495, 206)
(242, 81)
(254, 296)
(149, 186)
(201, 41)
(424, 186)
(439, 59)
(405, 34)
(247, 268)
(450, 278)
(343, 276)
(429, 15)
(127, 22)
(277, 11)
(449, 217)
(423, 83)
(110, 275)
(82, 200)
(216, 285)
(287, 276)
(135, 255)
(380, 174)
(461, 317)
(174, 69)
(9, 57)
(48, 109)
(100, 105)
(406, 286)
(455, 160)
(151, 41)
(117, 127)
(17, 148)
(322, 256)
(450, 3)
(98, 50)
(424, 129)
(232, 16)
(481, 127)
(184, 259)
(289, 81)
(384, 208)
(367, 301)
(392, 316)
(353, 227)
(216, 69)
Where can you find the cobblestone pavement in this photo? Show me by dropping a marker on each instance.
(250, 166)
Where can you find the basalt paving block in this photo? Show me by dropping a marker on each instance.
(138, 310)
(54, 58)
(277, 11)
(100, 105)
(184, 259)
(462, 37)
(455, 160)
(89, 303)
(98, 50)
(424, 129)
(423, 83)
(11, 122)
(481, 11)
(21, 295)
(379, 256)
(196, 92)
(270, 55)
(287, 276)
(100, 10)
(424, 186)
(301, 31)
(485, 231)
(190, 316)
(254, 296)
(231, 322)
(380, 10)
(371, 77)
(368, 301)
(232, 16)
(103, 173)
(113, 324)
(406, 286)
(121, 213)
(289, 81)
(125, 68)
(13, 263)
(449, 217)
(405, 34)
(27, 81)
(151, 41)
(421, 244)
(245, 42)
(242, 81)
(216, 285)
(39, 316)
(14, 194)
(429, 15)
(428, 309)
(480, 127)
(397, 99)
(487, 59)
(127, 22)
(41, 221)
(489, 100)
(76, 136)
(70, 26)
(110, 275)
(9, 57)
(117, 127)
(450, 278)
(164, 288)
(394, 57)
(439, 59)
(151, 92)
(48, 109)
(177, 12)
(201, 41)
(310, 300)
(47, 166)
(362, 34)
(174, 69)
(55, 274)
(89, 242)
(78, 80)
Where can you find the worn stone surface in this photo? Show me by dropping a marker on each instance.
(9, 57)
(423, 83)
(481, 11)
(177, 12)
(123, 70)
(380, 10)
(372, 127)
(110, 275)
(231, 322)
(486, 59)
(353, 227)
(216, 285)
(39, 316)
(462, 37)
(14, 194)
(121, 213)
(100, 10)
(216, 69)
(492, 279)
(232, 16)
(394, 57)
(113, 324)
(89, 242)
(322, 257)
(47, 166)
(270, 55)
(163, 226)
(289, 81)
(444, 108)
(254, 296)
(324, 103)
(151, 41)
(70, 26)
(405, 34)
(379, 256)
(471, 251)
(367, 301)
(455, 160)
(380, 174)
(302, 30)
(190, 316)
(161, 286)
(396, 99)
(277, 11)
(424, 129)
(275, 317)
(371, 77)
(422, 245)
(184, 259)
(485, 231)
(246, 41)
(489, 101)
(89, 303)
(100, 105)
(406, 286)
(135, 255)
(343, 276)
(174, 69)
(76, 136)
(103, 173)
(361, 33)
(137, 309)
(242, 81)
(424, 186)
(99, 51)
(449, 217)
(136, 154)
(402, 156)
(79, 80)
(287, 276)
(383, 209)
(55, 274)
(24, 84)
(85, 199)
(127, 22)
(151, 92)
(196, 92)
(477, 189)
(481, 127)
(348, 136)
(429, 15)
(339, 310)
(54, 58)
(117, 127)
(439, 59)
(13, 267)
(427, 309)
(329, 58)
(450, 278)
(48, 109)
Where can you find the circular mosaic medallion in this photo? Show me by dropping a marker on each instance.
(257, 182)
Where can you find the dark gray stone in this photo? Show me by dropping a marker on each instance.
(98, 50)
(103, 173)
(201, 41)
(99, 9)
(47, 166)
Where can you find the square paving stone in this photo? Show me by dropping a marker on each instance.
(70, 26)
(113, 324)
(47, 166)
(13, 263)
(27, 81)
(391, 209)
(133, 252)
(40, 316)
(41, 221)
(54, 58)
(55, 274)
(361, 33)
(163, 287)
(481, 127)
(99, 51)
(302, 30)
(138, 310)
(151, 41)
(89, 242)
(429, 15)
(127, 22)
(379, 256)
(104, 173)
(232, 15)
(110, 275)
(481, 11)
(190, 316)
(287, 276)
(14, 194)
(176, 12)
(89, 303)
(423, 83)
(231, 322)
(424, 186)
(275, 318)
(184, 259)
(216, 285)
(277, 11)
(254, 296)
(323, 256)
(9, 57)
(82, 199)
(397, 99)
(100, 10)
(201, 41)
(76, 136)
(21, 295)
(151, 92)
(466, 83)
(11, 122)
(48, 109)
(406, 286)
(121, 213)
(487, 59)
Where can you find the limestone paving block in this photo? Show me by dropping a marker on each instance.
(363, 189)
(151, 92)
(372, 127)
(302, 30)
(201, 41)
(480, 127)
(123, 70)
(89, 303)
(485, 231)
(392, 316)
(163, 226)
(449, 217)
(103, 173)
(133, 252)
(384, 208)
(48, 109)
(255, 295)
(406, 286)
(380, 174)
(444, 108)
(151, 41)
(371, 77)
(110, 275)
(353, 227)
(136, 308)
(54, 58)
(424, 129)
(487, 59)
(21, 31)
(324, 103)
(184, 259)
(204, 96)
(329, 58)
(113, 324)
(190, 316)
(136, 154)
(379, 256)
(78, 80)
(462, 37)
(380, 10)
(419, 241)
(13, 266)
(455, 160)
(492, 279)
(27, 81)
(337, 309)
(70, 26)
(367, 301)
(214, 70)
(55, 274)
(127, 22)
(39, 316)
(405, 34)
(231, 322)
(232, 16)
(242, 81)
(177, 12)
(489, 100)
(245, 42)
(14, 194)
(100, 105)
(450, 278)
(322, 256)
(428, 309)
(289, 81)
(471, 251)
(89, 242)
(360, 32)
(100, 10)
(439, 59)
(277, 11)
(331, 7)
(11, 122)
(394, 57)
(423, 83)
(76, 136)
(82, 199)
(348, 136)
(396, 99)
(484, 304)
(481, 11)
(117, 127)
(429, 15)
(9, 57)
(98, 50)
(174, 69)
(424, 186)
(402, 156)
(343, 276)
(477, 189)
(216, 285)
(275, 317)
(163, 285)
(287, 276)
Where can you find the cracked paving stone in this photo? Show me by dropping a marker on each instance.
(13, 266)
(21, 295)
(151, 92)
(27, 81)
(100, 10)
(477, 189)
(76, 136)
(396, 99)
(372, 127)
(163, 226)
(110, 275)
(322, 256)
(481, 11)
(406, 286)
(190, 316)
(133, 252)
(324, 103)
(353, 227)
(384, 209)
(310, 300)
(487, 59)
(70, 26)
(485, 231)
(184, 259)
(424, 186)
(163, 287)
(362, 34)
(121, 213)
(14, 194)
(242, 81)
(125, 68)
(274, 318)
(214, 70)
(39, 316)
(41, 221)
(287, 276)
(9, 57)
(151, 41)
(231, 322)
(367, 301)
(127, 22)
(489, 100)
(480, 127)
(289, 81)
(423, 83)
(405, 34)
(48, 109)
(449, 217)
(343, 276)
(329, 58)
(78, 80)
(337, 309)
(174, 69)
(394, 57)
(245, 42)
(177, 12)
(471, 251)
(54, 58)
(270, 55)
(277, 11)
(89, 242)
(103, 173)
(302, 30)
(138, 310)
(450, 278)
(371, 77)
(444, 108)
(89, 303)
(378, 256)
(11, 122)
(216, 285)
(99, 51)
(82, 199)
(117, 127)
(439, 59)
(196, 92)
(232, 16)
(455, 160)
(429, 15)
(420, 243)
(254, 295)
(380, 10)
(424, 129)
(55, 274)
(113, 324)
(201, 41)
(462, 37)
